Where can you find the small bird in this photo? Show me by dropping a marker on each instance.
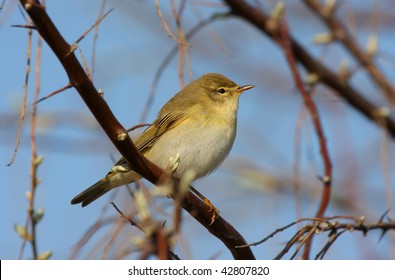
(196, 128)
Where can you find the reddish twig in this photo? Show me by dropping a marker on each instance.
(312, 108)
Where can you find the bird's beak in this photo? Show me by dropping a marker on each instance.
(244, 88)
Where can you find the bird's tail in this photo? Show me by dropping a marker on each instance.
(112, 180)
(93, 192)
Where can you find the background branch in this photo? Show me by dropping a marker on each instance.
(260, 19)
(340, 33)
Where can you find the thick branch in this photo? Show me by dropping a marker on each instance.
(118, 135)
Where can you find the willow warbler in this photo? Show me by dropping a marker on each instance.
(197, 126)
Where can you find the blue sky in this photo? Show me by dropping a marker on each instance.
(253, 189)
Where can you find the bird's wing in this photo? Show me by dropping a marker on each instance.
(160, 126)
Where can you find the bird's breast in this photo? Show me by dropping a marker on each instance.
(202, 144)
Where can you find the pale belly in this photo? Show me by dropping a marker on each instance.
(199, 153)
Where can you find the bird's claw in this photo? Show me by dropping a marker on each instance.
(214, 210)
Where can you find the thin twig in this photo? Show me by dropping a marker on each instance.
(304, 240)
(295, 239)
(313, 110)
(97, 22)
(95, 37)
(297, 160)
(137, 126)
(34, 181)
(137, 225)
(183, 47)
(25, 87)
(22, 116)
(85, 65)
(54, 93)
(111, 240)
(89, 234)
(164, 23)
(131, 222)
(26, 26)
(271, 235)
(332, 238)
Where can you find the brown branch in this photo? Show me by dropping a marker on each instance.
(118, 135)
(340, 33)
(267, 25)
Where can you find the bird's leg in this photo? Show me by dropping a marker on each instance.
(208, 203)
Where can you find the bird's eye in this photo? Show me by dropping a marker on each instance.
(221, 90)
